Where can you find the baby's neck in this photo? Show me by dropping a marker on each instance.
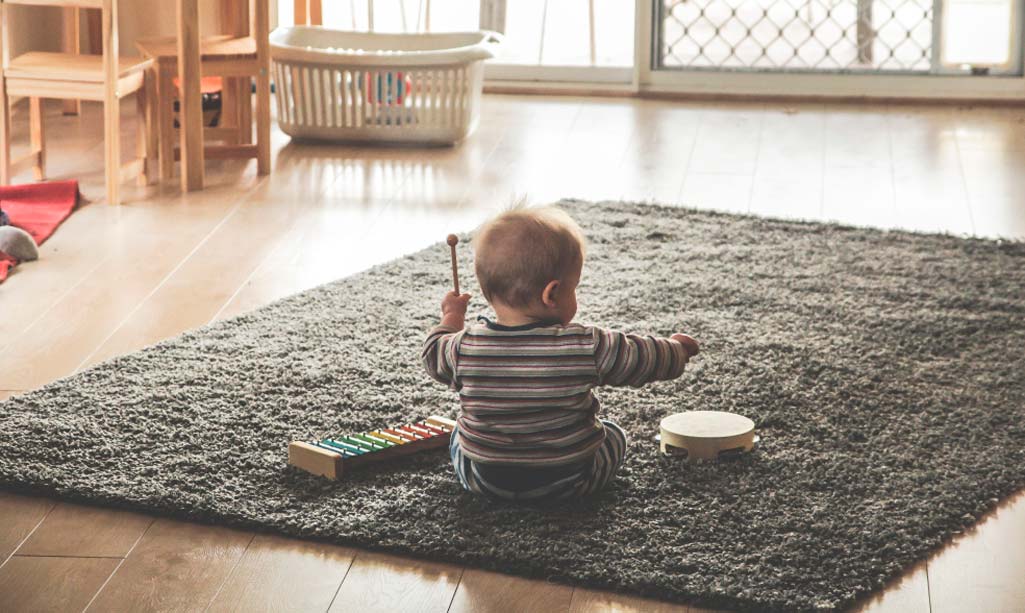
(507, 316)
(516, 322)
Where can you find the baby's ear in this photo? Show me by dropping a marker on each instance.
(548, 294)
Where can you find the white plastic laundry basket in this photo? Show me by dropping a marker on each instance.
(350, 86)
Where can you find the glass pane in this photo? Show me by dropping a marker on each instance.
(523, 32)
(808, 35)
(977, 32)
(559, 33)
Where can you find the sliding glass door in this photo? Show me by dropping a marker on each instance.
(962, 49)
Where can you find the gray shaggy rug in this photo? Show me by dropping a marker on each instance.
(884, 371)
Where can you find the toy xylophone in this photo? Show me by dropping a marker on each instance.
(331, 457)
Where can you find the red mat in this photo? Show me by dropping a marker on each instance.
(6, 263)
(37, 208)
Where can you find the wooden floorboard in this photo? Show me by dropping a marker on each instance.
(593, 601)
(52, 584)
(19, 516)
(985, 569)
(74, 530)
(66, 260)
(384, 583)
(76, 325)
(487, 592)
(333, 242)
(115, 278)
(204, 279)
(177, 566)
(279, 575)
(908, 594)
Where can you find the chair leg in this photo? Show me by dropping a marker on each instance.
(70, 43)
(147, 141)
(229, 108)
(263, 123)
(167, 136)
(37, 138)
(5, 135)
(245, 110)
(112, 145)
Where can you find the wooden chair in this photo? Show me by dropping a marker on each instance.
(310, 12)
(105, 78)
(237, 57)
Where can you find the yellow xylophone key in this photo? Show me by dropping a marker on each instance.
(441, 422)
(389, 437)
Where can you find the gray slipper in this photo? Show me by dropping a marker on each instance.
(18, 244)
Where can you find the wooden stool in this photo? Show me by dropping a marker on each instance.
(706, 435)
(237, 57)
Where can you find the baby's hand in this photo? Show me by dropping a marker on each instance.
(689, 344)
(454, 304)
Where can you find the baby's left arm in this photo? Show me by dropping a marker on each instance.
(634, 360)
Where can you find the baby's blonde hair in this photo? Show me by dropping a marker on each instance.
(519, 252)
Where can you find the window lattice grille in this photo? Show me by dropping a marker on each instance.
(819, 35)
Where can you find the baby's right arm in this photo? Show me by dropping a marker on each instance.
(440, 348)
(630, 359)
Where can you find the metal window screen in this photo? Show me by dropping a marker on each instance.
(798, 35)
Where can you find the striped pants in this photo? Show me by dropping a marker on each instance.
(590, 479)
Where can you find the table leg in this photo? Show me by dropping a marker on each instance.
(190, 114)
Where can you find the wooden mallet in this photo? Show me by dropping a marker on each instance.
(452, 241)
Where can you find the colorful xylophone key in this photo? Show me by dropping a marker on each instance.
(331, 457)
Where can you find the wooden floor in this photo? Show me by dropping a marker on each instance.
(114, 279)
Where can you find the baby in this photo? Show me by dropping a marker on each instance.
(528, 429)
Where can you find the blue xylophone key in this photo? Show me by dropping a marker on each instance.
(343, 452)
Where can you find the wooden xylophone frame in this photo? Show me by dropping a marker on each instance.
(332, 457)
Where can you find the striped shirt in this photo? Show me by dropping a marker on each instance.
(526, 392)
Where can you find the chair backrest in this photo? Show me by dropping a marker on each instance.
(235, 17)
(108, 31)
(260, 27)
(245, 18)
(310, 12)
(261, 18)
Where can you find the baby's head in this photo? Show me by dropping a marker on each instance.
(528, 262)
